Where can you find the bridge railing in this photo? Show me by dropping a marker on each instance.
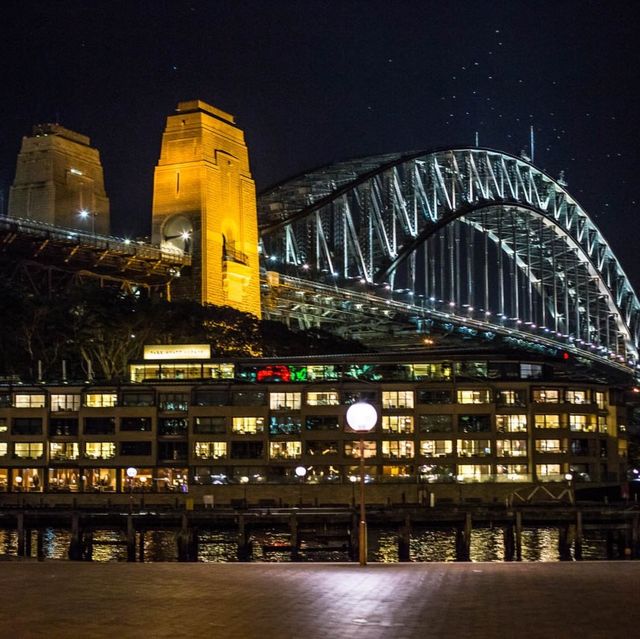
(123, 246)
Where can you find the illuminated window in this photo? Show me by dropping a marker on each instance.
(548, 446)
(4, 449)
(397, 449)
(248, 425)
(100, 450)
(436, 447)
(142, 482)
(547, 421)
(548, 472)
(66, 402)
(284, 425)
(436, 472)
(530, 371)
(3, 425)
(511, 398)
(99, 479)
(603, 427)
(582, 423)
(285, 450)
(512, 472)
(600, 400)
(511, 423)
(397, 423)
(474, 447)
(480, 396)
(474, 472)
(327, 373)
(511, 447)
(27, 480)
(397, 399)
(285, 401)
(329, 398)
(352, 449)
(546, 395)
(210, 450)
(322, 474)
(219, 371)
(396, 471)
(63, 451)
(28, 450)
(432, 371)
(171, 480)
(370, 473)
(29, 400)
(101, 400)
(577, 396)
(622, 447)
(64, 480)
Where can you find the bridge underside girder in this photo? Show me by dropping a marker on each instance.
(50, 258)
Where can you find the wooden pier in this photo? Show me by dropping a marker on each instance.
(325, 528)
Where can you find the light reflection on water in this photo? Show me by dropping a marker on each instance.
(487, 544)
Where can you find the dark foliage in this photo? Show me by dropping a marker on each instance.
(99, 330)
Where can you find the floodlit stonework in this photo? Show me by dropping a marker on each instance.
(59, 180)
(204, 203)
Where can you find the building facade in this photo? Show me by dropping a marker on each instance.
(184, 424)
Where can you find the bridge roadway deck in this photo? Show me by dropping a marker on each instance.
(590, 600)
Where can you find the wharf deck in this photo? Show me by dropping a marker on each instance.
(594, 600)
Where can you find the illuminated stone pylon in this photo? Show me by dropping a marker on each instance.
(204, 202)
(59, 180)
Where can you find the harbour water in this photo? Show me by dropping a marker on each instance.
(538, 544)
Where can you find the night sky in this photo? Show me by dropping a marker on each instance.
(312, 82)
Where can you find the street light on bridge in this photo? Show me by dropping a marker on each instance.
(85, 214)
(362, 418)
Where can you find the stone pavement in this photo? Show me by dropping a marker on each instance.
(311, 601)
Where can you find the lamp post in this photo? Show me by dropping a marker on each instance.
(131, 474)
(569, 478)
(84, 214)
(301, 473)
(362, 418)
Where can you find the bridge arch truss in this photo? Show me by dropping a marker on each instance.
(476, 234)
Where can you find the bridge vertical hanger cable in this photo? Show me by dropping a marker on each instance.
(486, 262)
(543, 284)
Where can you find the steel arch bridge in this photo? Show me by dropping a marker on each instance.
(476, 236)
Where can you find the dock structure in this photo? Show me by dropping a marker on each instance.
(326, 528)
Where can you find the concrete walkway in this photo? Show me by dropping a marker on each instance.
(307, 601)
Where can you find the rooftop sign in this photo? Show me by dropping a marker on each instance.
(178, 351)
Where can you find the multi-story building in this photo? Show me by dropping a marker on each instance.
(184, 423)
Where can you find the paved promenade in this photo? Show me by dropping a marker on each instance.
(312, 601)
